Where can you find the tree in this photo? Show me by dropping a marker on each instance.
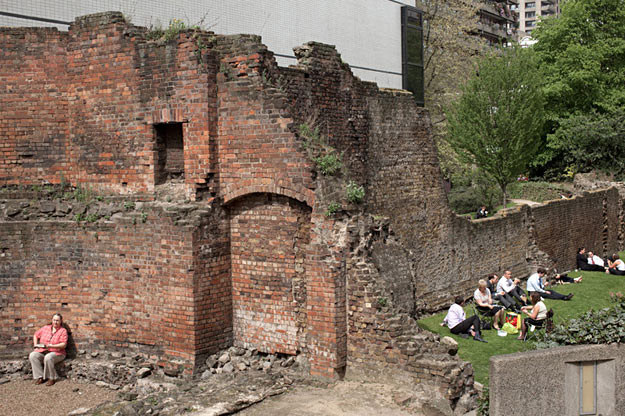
(582, 54)
(450, 51)
(497, 122)
(592, 141)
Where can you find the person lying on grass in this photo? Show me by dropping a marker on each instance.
(484, 302)
(536, 314)
(563, 278)
(458, 325)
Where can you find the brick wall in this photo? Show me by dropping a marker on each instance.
(269, 240)
(254, 259)
(34, 115)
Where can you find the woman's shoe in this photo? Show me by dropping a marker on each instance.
(39, 380)
(50, 383)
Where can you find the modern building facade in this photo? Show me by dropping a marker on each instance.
(367, 33)
(531, 10)
(498, 21)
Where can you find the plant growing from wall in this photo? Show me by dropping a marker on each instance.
(355, 193)
(326, 158)
(333, 208)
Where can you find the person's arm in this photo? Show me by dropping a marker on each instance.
(534, 312)
(61, 341)
(35, 339)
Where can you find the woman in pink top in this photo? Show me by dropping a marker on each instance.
(49, 343)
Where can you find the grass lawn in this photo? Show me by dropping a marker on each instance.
(592, 293)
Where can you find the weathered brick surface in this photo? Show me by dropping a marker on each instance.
(269, 239)
(254, 259)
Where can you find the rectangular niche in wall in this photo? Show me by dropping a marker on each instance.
(170, 152)
(590, 387)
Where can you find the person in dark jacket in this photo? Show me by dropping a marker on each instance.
(582, 262)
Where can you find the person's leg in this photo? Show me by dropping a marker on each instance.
(49, 362)
(554, 295)
(523, 330)
(36, 362)
(617, 272)
(499, 320)
(518, 294)
(592, 268)
(464, 327)
(505, 300)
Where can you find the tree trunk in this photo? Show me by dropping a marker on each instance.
(505, 195)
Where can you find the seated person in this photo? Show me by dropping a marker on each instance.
(481, 213)
(49, 343)
(500, 296)
(616, 266)
(594, 259)
(582, 262)
(484, 303)
(458, 325)
(535, 285)
(536, 314)
(511, 287)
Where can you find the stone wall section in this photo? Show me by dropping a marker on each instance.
(379, 326)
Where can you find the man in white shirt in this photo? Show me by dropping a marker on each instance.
(511, 287)
(594, 259)
(535, 284)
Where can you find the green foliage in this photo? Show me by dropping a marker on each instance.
(497, 122)
(582, 55)
(382, 302)
(333, 208)
(310, 134)
(144, 217)
(536, 191)
(79, 217)
(328, 163)
(326, 158)
(464, 199)
(92, 217)
(355, 193)
(483, 403)
(129, 205)
(82, 194)
(592, 141)
(604, 326)
(173, 30)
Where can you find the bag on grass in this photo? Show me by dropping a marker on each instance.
(509, 328)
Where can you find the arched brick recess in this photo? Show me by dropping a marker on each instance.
(269, 240)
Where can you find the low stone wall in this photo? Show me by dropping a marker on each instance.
(547, 382)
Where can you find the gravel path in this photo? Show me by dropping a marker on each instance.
(23, 398)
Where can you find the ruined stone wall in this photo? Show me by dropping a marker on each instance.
(590, 221)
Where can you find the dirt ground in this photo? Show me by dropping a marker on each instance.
(346, 398)
(23, 398)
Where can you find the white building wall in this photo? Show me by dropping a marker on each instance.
(367, 33)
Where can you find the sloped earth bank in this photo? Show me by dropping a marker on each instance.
(114, 385)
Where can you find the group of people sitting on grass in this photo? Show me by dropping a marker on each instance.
(588, 261)
(512, 297)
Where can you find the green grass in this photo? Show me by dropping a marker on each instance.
(592, 293)
(538, 191)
